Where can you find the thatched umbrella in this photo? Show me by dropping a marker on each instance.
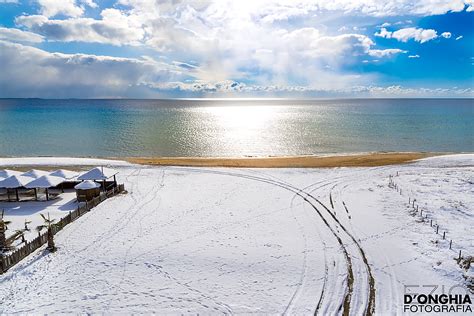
(44, 182)
(99, 174)
(35, 173)
(67, 175)
(14, 182)
(8, 173)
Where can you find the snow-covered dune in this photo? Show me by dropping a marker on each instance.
(216, 240)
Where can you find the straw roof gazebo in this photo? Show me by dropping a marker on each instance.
(65, 174)
(87, 190)
(35, 173)
(8, 173)
(14, 182)
(99, 174)
(44, 182)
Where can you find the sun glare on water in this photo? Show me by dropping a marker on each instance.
(242, 119)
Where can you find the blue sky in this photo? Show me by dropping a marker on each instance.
(279, 48)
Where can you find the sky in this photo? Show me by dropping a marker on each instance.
(229, 48)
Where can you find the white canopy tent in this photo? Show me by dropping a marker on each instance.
(34, 173)
(65, 174)
(44, 182)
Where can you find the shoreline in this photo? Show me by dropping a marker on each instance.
(329, 161)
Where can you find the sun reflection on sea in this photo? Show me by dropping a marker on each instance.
(238, 128)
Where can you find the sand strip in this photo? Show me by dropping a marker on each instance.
(356, 160)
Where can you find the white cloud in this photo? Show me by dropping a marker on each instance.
(54, 7)
(446, 34)
(8, 1)
(74, 75)
(404, 35)
(459, 37)
(16, 35)
(414, 56)
(114, 28)
(379, 53)
(383, 33)
(86, 76)
(72, 8)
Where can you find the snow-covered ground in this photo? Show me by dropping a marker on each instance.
(19, 212)
(216, 240)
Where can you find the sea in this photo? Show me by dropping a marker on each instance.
(233, 127)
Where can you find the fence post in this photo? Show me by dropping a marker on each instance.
(450, 244)
(444, 234)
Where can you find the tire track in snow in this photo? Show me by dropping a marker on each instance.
(345, 307)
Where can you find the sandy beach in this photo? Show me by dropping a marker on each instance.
(348, 160)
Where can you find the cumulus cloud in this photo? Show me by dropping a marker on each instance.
(414, 56)
(404, 35)
(73, 8)
(65, 7)
(16, 35)
(256, 42)
(81, 75)
(113, 28)
(74, 75)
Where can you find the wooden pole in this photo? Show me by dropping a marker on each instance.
(450, 244)
(17, 196)
(36, 194)
(444, 235)
(47, 195)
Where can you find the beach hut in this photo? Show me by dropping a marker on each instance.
(14, 182)
(44, 182)
(100, 174)
(87, 190)
(35, 174)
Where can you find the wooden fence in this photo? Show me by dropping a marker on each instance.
(9, 260)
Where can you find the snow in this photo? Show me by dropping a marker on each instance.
(88, 184)
(268, 241)
(59, 161)
(15, 182)
(35, 174)
(65, 174)
(8, 173)
(45, 182)
(97, 174)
